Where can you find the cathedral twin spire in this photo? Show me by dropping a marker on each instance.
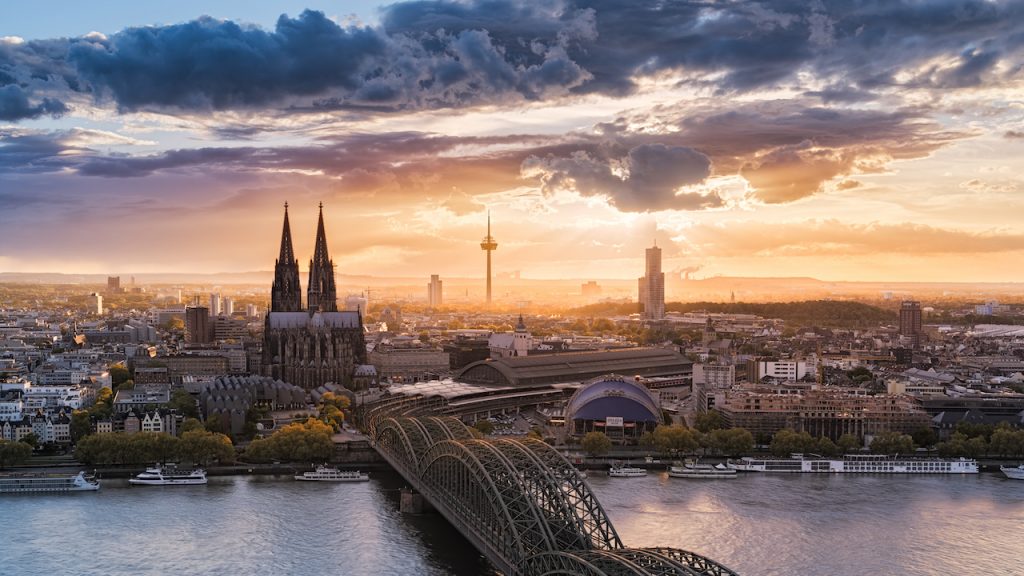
(286, 294)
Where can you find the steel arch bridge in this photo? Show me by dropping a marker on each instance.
(520, 502)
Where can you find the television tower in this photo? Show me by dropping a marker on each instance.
(489, 245)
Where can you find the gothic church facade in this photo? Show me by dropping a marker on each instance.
(316, 345)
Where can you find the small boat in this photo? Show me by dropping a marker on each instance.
(29, 483)
(617, 471)
(692, 469)
(1013, 472)
(328, 474)
(169, 476)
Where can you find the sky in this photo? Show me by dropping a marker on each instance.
(874, 140)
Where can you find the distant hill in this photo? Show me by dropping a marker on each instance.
(824, 313)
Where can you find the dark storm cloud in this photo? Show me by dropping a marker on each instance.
(439, 54)
(15, 105)
(646, 179)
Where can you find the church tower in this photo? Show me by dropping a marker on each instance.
(317, 346)
(286, 294)
(321, 294)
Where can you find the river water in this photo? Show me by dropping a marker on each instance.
(841, 525)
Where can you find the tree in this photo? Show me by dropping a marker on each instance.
(339, 401)
(201, 447)
(103, 407)
(485, 426)
(596, 443)
(13, 453)
(175, 324)
(731, 441)
(646, 440)
(1007, 442)
(708, 421)
(118, 375)
(189, 424)
(848, 443)
(675, 438)
(826, 447)
(81, 424)
(786, 442)
(308, 441)
(183, 402)
(924, 437)
(31, 439)
(892, 443)
(976, 447)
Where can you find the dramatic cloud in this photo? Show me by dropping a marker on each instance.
(440, 54)
(15, 105)
(647, 178)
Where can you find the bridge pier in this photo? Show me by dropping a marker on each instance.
(413, 502)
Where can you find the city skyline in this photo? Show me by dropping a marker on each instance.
(834, 141)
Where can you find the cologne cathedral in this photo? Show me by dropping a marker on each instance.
(316, 345)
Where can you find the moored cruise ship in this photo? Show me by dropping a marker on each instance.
(857, 464)
(29, 483)
(169, 476)
(328, 474)
(695, 470)
(626, 472)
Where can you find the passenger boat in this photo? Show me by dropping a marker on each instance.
(691, 469)
(1013, 472)
(328, 474)
(169, 476)
(857, 464)
(617, 471)
(29, 483)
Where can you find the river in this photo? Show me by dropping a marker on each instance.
(757, 524)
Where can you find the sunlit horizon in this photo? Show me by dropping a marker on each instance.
(841, 143)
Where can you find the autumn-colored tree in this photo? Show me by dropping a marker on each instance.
(596, 443)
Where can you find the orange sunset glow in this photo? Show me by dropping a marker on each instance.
(840, 142)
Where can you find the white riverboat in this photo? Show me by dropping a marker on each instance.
(29, 483)
(691, 469)
(626, 472)
(328, 474)
(1013, 472)
(169, 476)
(856, 464)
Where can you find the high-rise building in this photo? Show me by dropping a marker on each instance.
(434, 295)
(251, 310)
(227, 307)
(319, 345)
(113, 283)
(651, 286)
(590, 291)
(96, 303)
(214, 304)
(197, 325)
(489, 244)
(910, 320)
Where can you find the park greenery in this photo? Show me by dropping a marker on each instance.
(196, 446)
(331, 409)
(308, 441)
